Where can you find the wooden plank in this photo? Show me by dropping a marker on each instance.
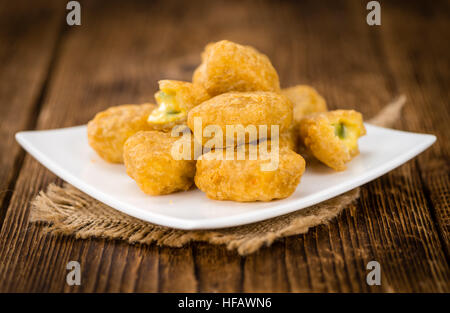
(103, 63)
(28, 35)
(394, 59)
(265, 270)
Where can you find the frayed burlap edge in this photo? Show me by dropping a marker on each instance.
(68, 211)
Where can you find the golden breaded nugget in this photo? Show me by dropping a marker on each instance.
(109, 129)
(247, 109)
(289, 138)
(244, 180)
(227, 66)
(198, 76)
(306, 100)
(175, 99)
(332, 136)
(150, 162)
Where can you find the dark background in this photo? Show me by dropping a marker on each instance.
(53, 75)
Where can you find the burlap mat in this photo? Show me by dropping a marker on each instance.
(66, 210)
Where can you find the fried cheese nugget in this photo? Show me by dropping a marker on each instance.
(244, 180)
(289, 138)
(306, 100)
(332, 136)
(109, 129)
(227, 66)
(175, 99)
(247, 109)
(150, 162)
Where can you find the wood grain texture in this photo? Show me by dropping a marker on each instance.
(28, 39)
(123, 48)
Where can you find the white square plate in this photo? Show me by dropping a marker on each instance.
(66, 153)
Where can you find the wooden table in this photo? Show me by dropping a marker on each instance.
(54, 75)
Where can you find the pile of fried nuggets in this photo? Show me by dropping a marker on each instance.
(233, 85)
